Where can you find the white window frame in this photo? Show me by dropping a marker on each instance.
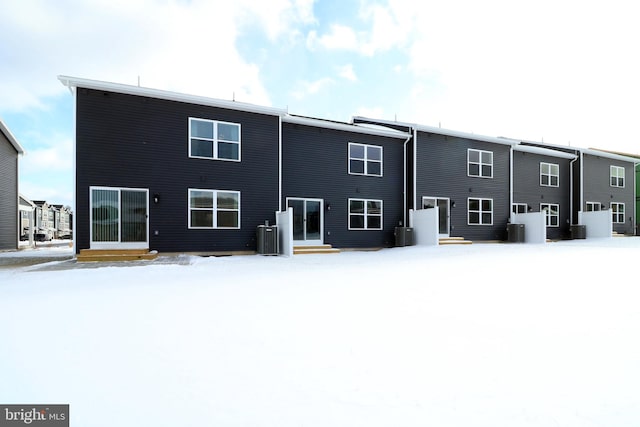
(617, 173)
(214, 209)
(548, 214)
(593, 206)
(366, 214)
(616, 214)
(480, 163)
(216, 141)
(550, 175)
(366, 160)
(515, 207)
(480, 211)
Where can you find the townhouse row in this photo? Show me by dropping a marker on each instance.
(43, 221)
(182, 173)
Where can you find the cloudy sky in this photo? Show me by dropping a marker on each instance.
(564, 72)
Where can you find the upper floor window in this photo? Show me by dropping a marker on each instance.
(480, 211)
(365, 214)
(617, 176)
(552, 213)
(480, 163)
(549, 174)
(210, 139)
(617, 212)
(365, 159)
(593, 206)
(214, 209)
(519, 208)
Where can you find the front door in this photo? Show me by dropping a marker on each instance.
(119, 218)
(442, 204)
(307, 220)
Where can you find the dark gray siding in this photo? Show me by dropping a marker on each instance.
(8, 195)
(138, 142)
(527, 188)
(315, 165)
(442, 172)
(597, 187)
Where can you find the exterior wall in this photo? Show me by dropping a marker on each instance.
(638, 199)
(140, 142)
(597, 188)
(316, 165)
(527, 188)
(441, 170)
(8, 195)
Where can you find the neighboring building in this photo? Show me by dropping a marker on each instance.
(10, 150)
(44, 221)
(27, 210)
(62, 221)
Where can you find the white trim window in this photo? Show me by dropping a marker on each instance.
(480, 163)
(617, 212)
(365, 159)
(479, 211)
(365, 214)
(210, 139)
(593, 206)
(214, 209)
(617, 176)
(552, 213)
(549, 174)
(519, 208)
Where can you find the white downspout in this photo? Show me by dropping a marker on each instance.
(405, 221)
(280, 163)
(511, 219)
(415, 167)
(571, 164)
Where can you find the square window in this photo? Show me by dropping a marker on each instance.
(480, 163)
(549, 174)
(365, 214)
(365, 159)
(214, 140)
(214, 209)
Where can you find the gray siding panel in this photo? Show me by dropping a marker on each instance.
(315, 165)
(442, 172)
(597, 187)
(8, 195)
(527, 188)
(138, 142)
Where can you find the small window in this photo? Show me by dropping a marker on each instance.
(480, 163)
(617, 176)
(519, 208)
(552, 213)
(617, 212)
(480, 211)
(365, 214)
(593, 206)
(365, 159)
(549, 174)
(210, 139)
(214, 209)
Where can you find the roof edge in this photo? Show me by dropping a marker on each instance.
(12, 139)
(348, 127)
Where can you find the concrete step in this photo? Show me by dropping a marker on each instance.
(108, 255)
(316, 249)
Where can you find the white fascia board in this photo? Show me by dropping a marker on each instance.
(347, 127)
(544, 151)
(465, 135)
(72, 82)
(612, 156)
(12, 139)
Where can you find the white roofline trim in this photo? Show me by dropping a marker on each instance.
(72, 82)
(612, 156)
(544, 151)
(12, 139)
(347, 127)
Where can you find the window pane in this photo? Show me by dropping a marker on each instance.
(474, 156)
(474, 218)
(554, 181)
(227, 200)
(201, 199)
(554, 169)
(356, 206)
(474, 169)
(554, 221)
(374, 207)
(374, 153)
(374, 168)
(373, 222)
(228, 132)
(544, 168)
(487, 157)
(228, 150)
(356, 151)
(356, 221)
(486, 218)
(486, 170)
(474, 204)
(620, 182)
(202, 218)
(357, 166)
(200, 148)
(227, 219)
(545, 180)
(486, 205)
(201, 129)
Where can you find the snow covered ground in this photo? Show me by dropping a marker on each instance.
(481, 335)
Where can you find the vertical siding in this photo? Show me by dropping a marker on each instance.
(442, 172)
(8, 195)
(315, 165)
(527, 188)
(138, 142)
(597, 187)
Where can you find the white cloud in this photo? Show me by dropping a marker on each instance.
(347, 72)
(306, 88)
(340, 37)
(371, 112)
